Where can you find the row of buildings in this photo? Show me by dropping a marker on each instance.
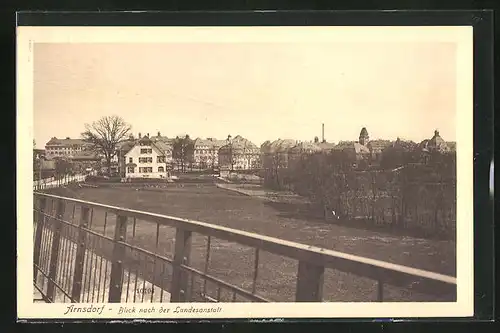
(153, 156)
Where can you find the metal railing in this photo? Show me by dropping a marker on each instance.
(82, 254)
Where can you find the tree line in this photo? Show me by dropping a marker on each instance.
(401, 191)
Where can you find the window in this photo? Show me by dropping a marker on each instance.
(130, 170)
(146, 150)
(145, 169)
(130, 160)
(161, 169)
(145, 160)
(160, 159)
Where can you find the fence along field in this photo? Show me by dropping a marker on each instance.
(81, 257)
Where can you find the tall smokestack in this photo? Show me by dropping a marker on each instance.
(323, 132)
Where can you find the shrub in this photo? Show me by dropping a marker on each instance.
(146, 180)
(102, 179)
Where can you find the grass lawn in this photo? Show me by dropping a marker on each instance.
(234, 263)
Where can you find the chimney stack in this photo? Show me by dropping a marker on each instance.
(323, 132)
(159, 133)
(147, 135)
(140, 137)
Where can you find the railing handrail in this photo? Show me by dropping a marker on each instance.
(367, 267)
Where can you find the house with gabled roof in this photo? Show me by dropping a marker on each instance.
(206, 152)
(146, 160)
(239, 154)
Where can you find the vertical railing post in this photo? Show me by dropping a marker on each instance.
(178, 292)
(380, 290)
(80, 254)
(116, 278)
(40, 224)
(309, 283)
(54, 251)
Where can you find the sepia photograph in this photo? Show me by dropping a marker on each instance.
(193, 172)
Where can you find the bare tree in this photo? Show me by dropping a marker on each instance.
(248, 154)
(228, 155)
(104, 136)
(203, 162)
(213, 155)
(232, 155)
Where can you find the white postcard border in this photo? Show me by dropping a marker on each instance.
(462, 36)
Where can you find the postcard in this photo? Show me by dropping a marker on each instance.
(244, 172)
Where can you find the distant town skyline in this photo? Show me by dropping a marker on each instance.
(261, 91)
(319, 136)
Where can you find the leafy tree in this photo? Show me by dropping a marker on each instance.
(105, 135)
(183, 150)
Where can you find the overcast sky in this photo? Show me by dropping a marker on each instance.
(260, 91)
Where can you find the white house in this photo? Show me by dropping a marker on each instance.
(145, 160)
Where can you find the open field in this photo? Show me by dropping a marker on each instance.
(277, 275)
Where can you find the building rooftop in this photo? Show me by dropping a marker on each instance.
(436, 143)
(280, 145)
(239, 142)
(352, 145)
(65, 142)
(305, 147)
(163, 146)
(326, 145)
(378, 145)
(84, 155)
